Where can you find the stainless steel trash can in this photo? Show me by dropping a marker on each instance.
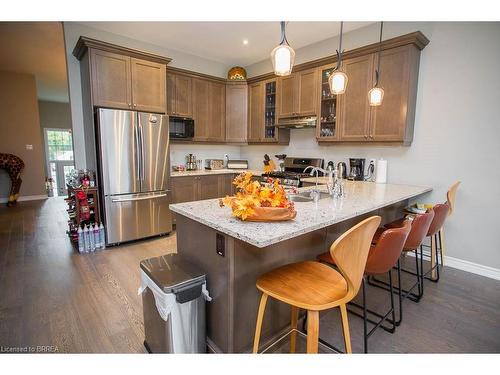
(177, 289)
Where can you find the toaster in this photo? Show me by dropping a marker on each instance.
(214, 164)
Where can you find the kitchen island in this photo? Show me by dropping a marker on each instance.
(234, 253)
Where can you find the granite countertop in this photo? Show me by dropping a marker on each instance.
(202, 172)
(361, 197)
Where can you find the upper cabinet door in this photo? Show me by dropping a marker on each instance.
(354, 116)
(388, 121)
(170, 93)
(236, 112)
(183, 100)
(307, 97)
(256, 112)
(201, 104)
(148, 86)
(111, 86)
(217, 101)
(287, 96)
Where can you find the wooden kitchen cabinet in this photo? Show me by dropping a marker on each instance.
(298, 94)
(354, 110)
(209, 186)
(287, 88)
(179, 95)
(236, 111)
(124, 82)
(201, 113)
(209, 114)
(111, 79)
(226, 186)
(263, 113)
(255, 112)
(148, 85)
(393, 120)
(308, 92)
(217, 112)
(193, 188)
(184, 189)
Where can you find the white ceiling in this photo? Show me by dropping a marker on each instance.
(36, 48)
(223, 41)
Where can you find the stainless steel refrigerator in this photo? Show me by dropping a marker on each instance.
(133, 166)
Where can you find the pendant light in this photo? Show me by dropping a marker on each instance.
(376, 94)
(283, 56)
(338, 79)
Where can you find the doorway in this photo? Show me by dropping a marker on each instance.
(59, 159)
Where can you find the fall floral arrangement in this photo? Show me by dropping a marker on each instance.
(256, 202)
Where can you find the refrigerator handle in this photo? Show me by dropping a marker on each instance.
(138, 151)
(143, 165)
(138, 198)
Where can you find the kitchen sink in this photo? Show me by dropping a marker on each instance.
(306, 196)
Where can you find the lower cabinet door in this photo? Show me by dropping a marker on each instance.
(184, 189)
(208, 187)
(134, 216)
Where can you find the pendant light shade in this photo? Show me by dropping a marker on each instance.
(338, 82)
(338, 79)
(283, 56)
(376, 94)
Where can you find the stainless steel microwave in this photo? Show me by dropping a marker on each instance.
(181, 127)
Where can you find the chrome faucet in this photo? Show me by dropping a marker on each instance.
(314, 170)
(315, 192)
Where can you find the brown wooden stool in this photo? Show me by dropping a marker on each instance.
(315, 287)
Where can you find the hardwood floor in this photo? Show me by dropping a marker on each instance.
(50, 295)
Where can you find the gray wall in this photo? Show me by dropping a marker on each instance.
(20, 126)
(54, 114)
(73, 30)
(457, 129)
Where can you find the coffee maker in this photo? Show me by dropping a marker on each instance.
(357, 172)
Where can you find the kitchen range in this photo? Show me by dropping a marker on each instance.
(292, 170)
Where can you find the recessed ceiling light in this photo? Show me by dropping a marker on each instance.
(245, 41)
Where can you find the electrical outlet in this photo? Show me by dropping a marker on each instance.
(220, 245)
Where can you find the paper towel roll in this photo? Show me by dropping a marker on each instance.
(381, 172)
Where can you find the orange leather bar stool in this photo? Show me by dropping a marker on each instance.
(439, 236)
(315, 287)
(382, 257)
(440, 214)
(419, 229)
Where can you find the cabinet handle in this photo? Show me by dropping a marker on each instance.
(366, 137)
(135, 105)
(129, 105)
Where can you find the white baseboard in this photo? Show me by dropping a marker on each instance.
(465, 265)
(25, 198)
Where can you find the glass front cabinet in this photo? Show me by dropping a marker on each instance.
(270, 132)
(327, 126)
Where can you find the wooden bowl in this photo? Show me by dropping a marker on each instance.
(272, 214)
